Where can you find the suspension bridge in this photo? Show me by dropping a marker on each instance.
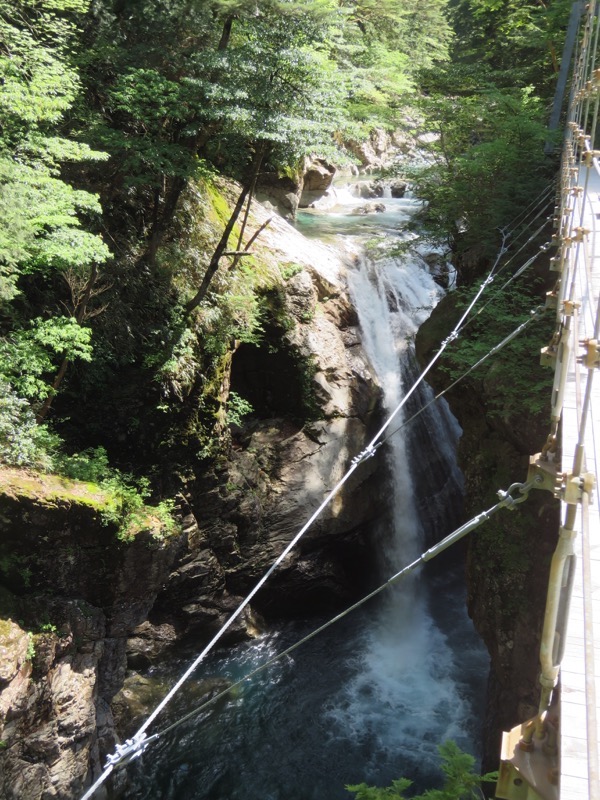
(555, 755)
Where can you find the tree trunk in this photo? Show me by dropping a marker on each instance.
(62, 371)
(221, 247)
(226, 34)
(219, 250)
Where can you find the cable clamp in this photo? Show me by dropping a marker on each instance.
(569, 307)
(583, 139)
(555, 264)
(450, 338)
(591, 357)
(126, 752)
(368, 452)
(551, 300)
(549, 354)
(508, 500)
(588, 157)
(572, 487)
(545, 246)
(543, 472)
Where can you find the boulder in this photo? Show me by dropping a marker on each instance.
(369, 189)
(398, 188)
(368, 208)
(316, 181)
(280, 192)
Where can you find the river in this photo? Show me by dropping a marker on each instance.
(371, 698)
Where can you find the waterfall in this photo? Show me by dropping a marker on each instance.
(371, 700)
(404, 694)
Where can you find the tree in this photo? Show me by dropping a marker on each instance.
(381, 47)
(487, 161)
(43, 216)
(519, 39)
(460, 781)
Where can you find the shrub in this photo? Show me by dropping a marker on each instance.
(460, 781)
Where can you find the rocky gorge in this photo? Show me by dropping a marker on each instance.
(81, 607)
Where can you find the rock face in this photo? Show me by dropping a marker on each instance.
(509, 556)
(79, 592)
(374, 152)
(98, 606)
(287, 194)
(314, 404)
(281, 192)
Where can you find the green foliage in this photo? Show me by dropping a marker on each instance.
(126, 508)
(380, 48)
(23, 443)
(513, 380)
(522, 40)
(26, 355)
(30, 655)
(48, 627)
(41, 213)
(460, 781)
(487, 161)
(237, 409)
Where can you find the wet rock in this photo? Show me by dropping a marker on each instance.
(148, 642)
(380, 187)
(398, 188)
(369, 189)
(141, 694)
(316, 181)
(368, 208)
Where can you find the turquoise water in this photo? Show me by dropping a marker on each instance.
(285, 736)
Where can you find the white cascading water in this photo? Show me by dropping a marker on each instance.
(403, 694)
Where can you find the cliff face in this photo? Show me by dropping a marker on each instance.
(280, 469)
(71, 594)
(80, 607)
(509, 557)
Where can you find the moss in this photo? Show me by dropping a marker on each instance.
(52, 489)
(5, 628)
(219, 209)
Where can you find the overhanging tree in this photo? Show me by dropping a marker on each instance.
(44, 218)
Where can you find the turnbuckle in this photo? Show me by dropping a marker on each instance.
(508, 500)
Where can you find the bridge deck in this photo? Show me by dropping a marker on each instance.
(580, 672)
